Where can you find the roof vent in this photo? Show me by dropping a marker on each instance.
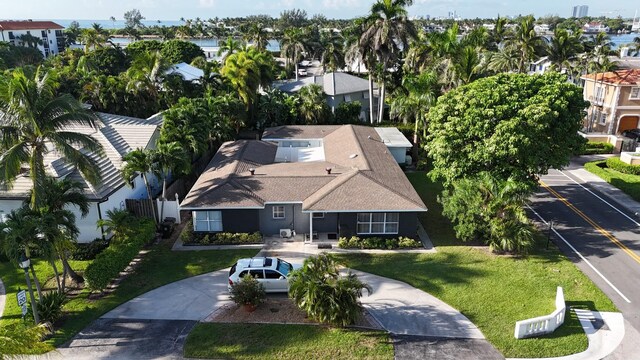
(328, 170)
(353, 156)
(252, 171)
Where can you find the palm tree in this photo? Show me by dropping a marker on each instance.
(140, 162)
(324, 294)
(34, 122)
(313, 107)
(527, 41)
(30, 40)
(332, 58)
(563, 48)
(19, 235)
(147, 73)
(387, 31)
(505, 59)
(120, 223)
(468, 66)
(256, 34)
(229, 47)
(57, 197)
(16, 337)
(361, 53)
(293, 46)
(244, 75)
(169, 159)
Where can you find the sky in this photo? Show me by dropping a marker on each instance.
(175, 9)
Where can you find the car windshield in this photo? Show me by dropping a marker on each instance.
(284, 267)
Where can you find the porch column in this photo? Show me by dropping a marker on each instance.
(310, 227)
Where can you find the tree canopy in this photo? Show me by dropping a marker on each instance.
(178, 51)
(510, 125)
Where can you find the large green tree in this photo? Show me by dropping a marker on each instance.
(36, 121)
(510, 125)
(179, 51)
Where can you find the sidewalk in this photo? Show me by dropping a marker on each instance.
(597, 183)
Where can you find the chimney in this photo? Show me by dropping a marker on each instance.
(252, 171)
(328, 170)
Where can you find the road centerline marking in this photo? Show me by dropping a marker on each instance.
(604, 232)
(581, 256)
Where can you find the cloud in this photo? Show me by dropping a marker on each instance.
(207, 3)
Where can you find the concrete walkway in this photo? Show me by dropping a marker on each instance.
(3, 297)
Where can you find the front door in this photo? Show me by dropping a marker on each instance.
(628, 123)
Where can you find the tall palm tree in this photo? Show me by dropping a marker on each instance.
(468, 66)
(293, 46)
(388, 30)
(506, 59)
(361, 53)
(169, 159)
(528, 41)
(244, 75)
(34, 121)
(229, 47)
(563, 48)
(332, 58)
(313, 107)
(257, 35)
(140, 162)
(58, 197)
(146, 74)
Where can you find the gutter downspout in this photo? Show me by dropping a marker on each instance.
(100, 217)
(333, 103)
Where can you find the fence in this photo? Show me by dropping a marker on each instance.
(544, 324)
(140, 207)
(171, 209)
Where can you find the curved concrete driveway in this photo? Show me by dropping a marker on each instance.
(193, 298)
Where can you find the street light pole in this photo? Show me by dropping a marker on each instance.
(549, 234)
(24, 264)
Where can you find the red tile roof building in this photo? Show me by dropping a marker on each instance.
(50, 35)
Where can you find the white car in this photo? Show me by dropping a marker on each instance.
(305, 63)
(271, 272)
(302, 72)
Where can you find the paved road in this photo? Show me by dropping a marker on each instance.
(599, 234)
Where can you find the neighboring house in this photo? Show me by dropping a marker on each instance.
(187, 72)
(540, 66)
(338, 88)
(594, 28)
(50, 33)
(334, 180)
(615, 101)
(118, 135)
(542, 29)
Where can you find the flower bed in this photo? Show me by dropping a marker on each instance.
(190, 237)
(378, 243)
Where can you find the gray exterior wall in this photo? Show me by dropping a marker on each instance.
(334, 101)
(408, 225)
(294, 219)
(329, 224)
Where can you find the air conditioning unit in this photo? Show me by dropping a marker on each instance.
(285, 233)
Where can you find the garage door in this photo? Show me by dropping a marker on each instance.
(628, 122)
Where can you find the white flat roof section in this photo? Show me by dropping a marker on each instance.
(299, 154)
(392, 137)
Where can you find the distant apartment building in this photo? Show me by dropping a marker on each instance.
(580, 11)
(49, 34)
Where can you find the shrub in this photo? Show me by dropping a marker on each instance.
(326, 296)
(89, 251)
(194, 238)
(593, 147)
(115, 258)
(378, 243)
(618, 165)
(248, 291)
(50, 306)
(187, 233)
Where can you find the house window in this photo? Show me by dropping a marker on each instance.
(365, 95)
(318, 215)
(377, 223)
(347, 98)
(599, 94)
(603, 118)
(207, 221)
(635, 93)
(278, 212)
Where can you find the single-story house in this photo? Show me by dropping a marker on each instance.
(187, 72)
(118, 135)
(338, 87)
(340, 180)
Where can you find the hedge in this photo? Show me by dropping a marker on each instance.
(378, 243)
(89, 251)
(592, 148)
(618, 165)
(189, 237)
(115, 258)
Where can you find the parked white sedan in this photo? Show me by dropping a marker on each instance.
(271, 272)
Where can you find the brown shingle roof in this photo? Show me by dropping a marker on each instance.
(620, 77)
(28, 25)
(370, 181)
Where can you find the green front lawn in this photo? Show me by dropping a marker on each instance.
(275, 341)
(492, 291)
(629, 184)
(159, 267)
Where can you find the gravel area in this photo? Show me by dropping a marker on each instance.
(277, 309)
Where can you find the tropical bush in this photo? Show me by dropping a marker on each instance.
(618, 165)
(593, 147)
(15, 338)
(248, 291)
(115, 258)
(326, 296)
(50, 306)
(89, 251)
(193, 238)
(356, 242)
